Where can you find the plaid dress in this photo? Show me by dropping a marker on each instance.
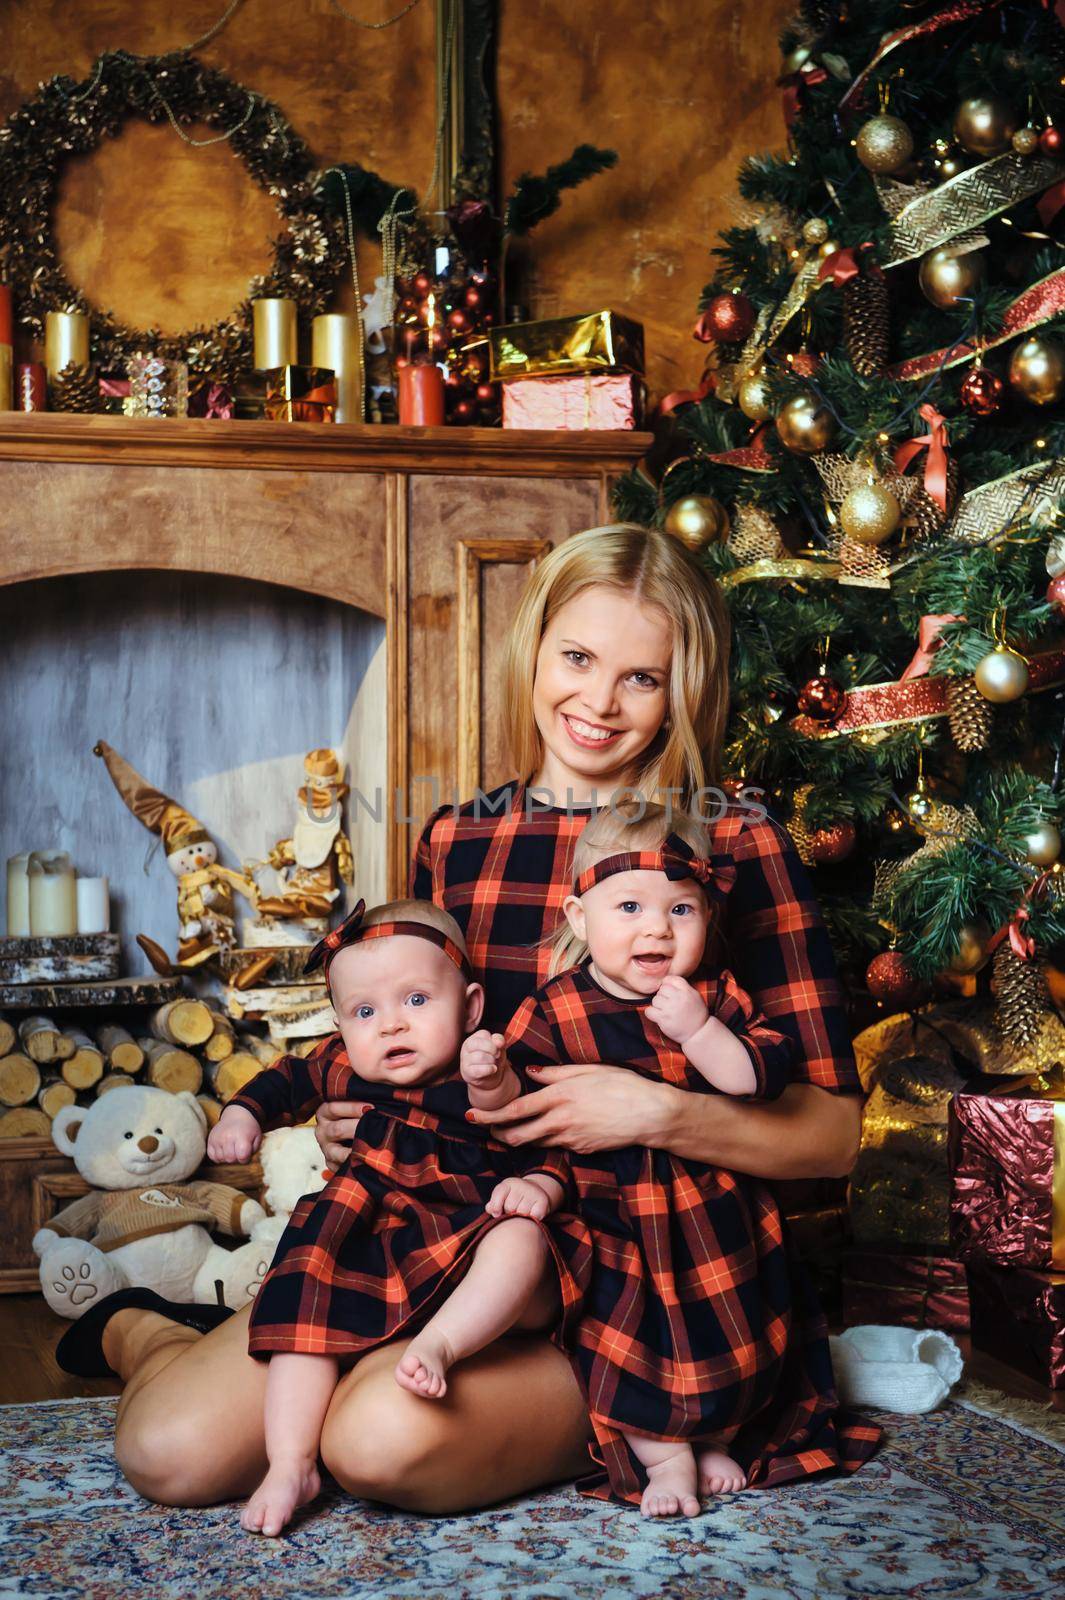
(370, 1256)
(696, 1323)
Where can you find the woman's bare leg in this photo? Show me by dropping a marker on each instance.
(190, 1419)
(512, 1420)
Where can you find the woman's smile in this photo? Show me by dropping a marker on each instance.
(589, 735)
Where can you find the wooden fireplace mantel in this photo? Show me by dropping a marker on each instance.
(432, 529)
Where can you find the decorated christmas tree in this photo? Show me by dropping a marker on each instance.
(874, 467)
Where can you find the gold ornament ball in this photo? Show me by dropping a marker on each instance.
(919, 805)
(697, 520)
(1002, 675)
(971, 954)
(949, 166)
(815, 231)
(1042, 844)
(805, 426)
(754, 397)
(946, 278)
(870, 513)
(884, 144)
(1025, 141)
(1037, 370)
(984, 125)
(827, 249)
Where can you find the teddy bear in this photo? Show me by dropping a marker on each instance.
(292, 1166)
(144, 1223)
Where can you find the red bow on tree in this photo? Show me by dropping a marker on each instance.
(935, 470)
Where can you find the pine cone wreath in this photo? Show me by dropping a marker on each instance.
(971, 717)
(1023, 999)
(75, 389)
(867, 323)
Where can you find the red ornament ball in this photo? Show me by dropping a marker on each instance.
(805, 363)
(828, 845)
(463, 411)
(1056, 592)
(1051, 141)
(981, 391)
(486, 392)
(730, 318)
(890, 977)
(473, 297)
(458, 321)
(422, 283)
(822, 699)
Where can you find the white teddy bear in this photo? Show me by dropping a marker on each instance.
(144, 1223)
(292, 1166)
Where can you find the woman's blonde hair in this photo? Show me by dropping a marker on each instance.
(628, 825)
(654, 567)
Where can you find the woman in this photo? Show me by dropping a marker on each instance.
(615, 677)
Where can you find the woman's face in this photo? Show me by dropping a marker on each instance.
(601, 688)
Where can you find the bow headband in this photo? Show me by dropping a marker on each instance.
(676, 859)
(351, 931)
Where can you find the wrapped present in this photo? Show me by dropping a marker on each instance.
(898, 1286)
(299, 394)
(1018, 1316)
(900, 1186)
(591, 400)
(597, 341)
(212, 400)
(820, 1237)
(114, 393)
(1007, 1162)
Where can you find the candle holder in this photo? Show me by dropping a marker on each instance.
(157, 388)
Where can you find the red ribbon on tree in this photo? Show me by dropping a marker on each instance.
(794, 83)
(683, 397)
(935, 470)
(928, 642)
(1051, 201)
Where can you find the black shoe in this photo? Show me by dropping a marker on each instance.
(80, 1350)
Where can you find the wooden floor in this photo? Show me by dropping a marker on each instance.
(29, 1332)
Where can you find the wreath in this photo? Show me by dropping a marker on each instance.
(68, 118)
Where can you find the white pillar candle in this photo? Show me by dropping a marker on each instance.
(94, 911)
(18, 897)
(53, 895)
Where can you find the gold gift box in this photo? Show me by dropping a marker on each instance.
(596, 341)
(300, 394)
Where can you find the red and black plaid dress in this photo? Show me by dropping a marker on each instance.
(370, 1256)
(695, 1324)
(502, 865)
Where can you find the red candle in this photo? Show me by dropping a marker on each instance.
(32, 387)
(6, 319)
(421, 396)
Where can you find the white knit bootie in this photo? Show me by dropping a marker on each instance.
(895, 1369)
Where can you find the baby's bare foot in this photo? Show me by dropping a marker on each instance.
(719, 1474)
(671, 1487)
(421, 1369)
(288, 1484)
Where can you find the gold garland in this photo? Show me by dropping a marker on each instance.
(967, 201)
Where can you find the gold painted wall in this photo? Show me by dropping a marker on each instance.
(165, 234)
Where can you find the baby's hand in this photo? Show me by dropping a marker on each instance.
(482, 1060)
(678, 1009)
(518, 1197)
(235, 1136)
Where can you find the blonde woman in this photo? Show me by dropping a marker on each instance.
(614, 677)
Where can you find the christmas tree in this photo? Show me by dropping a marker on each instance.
(874, 468)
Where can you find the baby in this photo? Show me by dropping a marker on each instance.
(405, 1214)
(681, 1332)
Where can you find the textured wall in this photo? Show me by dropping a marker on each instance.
(161, 233)
(214, 690)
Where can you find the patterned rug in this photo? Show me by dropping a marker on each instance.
(958, 1505)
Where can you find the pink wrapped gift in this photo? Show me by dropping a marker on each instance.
(612, 400)
(1018, 1316)
(1007, 1167)
(919, 1291)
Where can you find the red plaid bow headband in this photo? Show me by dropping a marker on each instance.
(676, 859)
(351, 931)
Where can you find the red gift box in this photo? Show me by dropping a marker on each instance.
(595, 400)
(1007, 1165)
(918, 1291)
(1018, 1316)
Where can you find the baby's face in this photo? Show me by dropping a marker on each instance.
(402, 1007)
(640, 926)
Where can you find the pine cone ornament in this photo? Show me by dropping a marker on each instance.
(1023, 999)
(927, 515)
(971, 717)
(75, 389)
(867, 323)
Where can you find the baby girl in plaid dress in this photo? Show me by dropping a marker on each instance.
(685, 1333)
(422, 1201)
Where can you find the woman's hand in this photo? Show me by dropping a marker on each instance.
(583, 1107)
(335, 1128)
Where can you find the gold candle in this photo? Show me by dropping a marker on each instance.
(66, 340)
(335, 346)
(275, 333)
